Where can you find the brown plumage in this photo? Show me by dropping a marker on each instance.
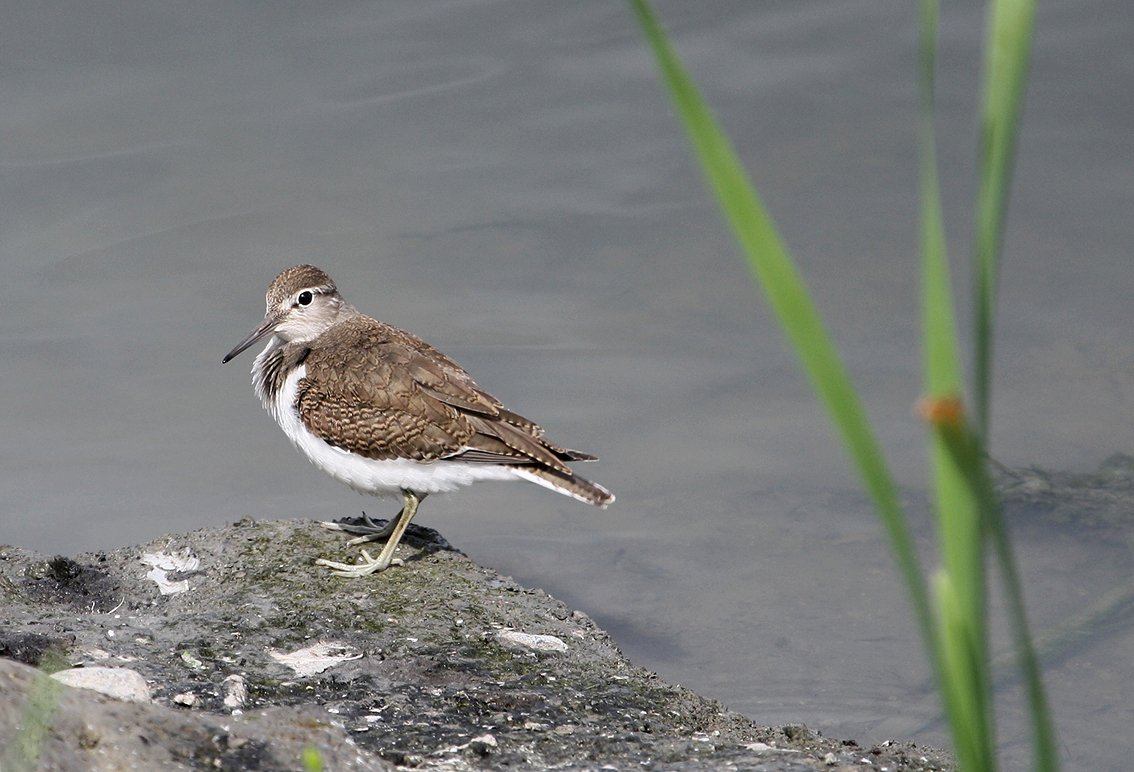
(383, 393)
(410, 418)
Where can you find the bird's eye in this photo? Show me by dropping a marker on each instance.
(305, 298)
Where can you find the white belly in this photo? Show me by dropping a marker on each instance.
(367, 475)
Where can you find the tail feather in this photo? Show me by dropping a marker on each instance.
(566, 454)
(567, 484)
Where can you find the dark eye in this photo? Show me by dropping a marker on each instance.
(305, 298)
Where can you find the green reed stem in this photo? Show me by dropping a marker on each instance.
(954, 628)
(776, 273)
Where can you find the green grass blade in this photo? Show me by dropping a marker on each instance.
(1011, 28)
(960, 519)
(941, 351)
(770, 263)
(956, 634)
(1010, 32)
(963, 647)
(962, 496)
(1043, 727)
(961, 688)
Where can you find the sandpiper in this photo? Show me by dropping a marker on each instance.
(381, 410)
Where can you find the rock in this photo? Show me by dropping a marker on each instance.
(118, 682)
(79, 730)
(542, 643)
(262, 660)
(235, 691)
(187, 699)
(314, 659)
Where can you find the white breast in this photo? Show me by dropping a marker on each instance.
(365, 475)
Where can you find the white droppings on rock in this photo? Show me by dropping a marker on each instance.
(235, 691)
(118, 682)
(484, 745)
(187, 699)
(544, 643)
(163, 564)
(316, 658)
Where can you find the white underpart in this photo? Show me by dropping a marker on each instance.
(366, 475)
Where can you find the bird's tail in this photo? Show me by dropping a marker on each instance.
(568, 484)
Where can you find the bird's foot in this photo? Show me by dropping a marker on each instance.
(392, 532)
(366, 565)
(366, 530)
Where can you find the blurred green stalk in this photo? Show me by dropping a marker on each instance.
(954, 623)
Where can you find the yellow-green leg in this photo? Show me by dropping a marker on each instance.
(370, 565)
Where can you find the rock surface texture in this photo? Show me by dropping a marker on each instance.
(256, 659)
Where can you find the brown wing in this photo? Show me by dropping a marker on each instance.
(362, 393)
(383, 393)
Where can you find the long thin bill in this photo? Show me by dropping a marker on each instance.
(266, 328)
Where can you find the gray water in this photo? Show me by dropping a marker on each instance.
(507, 181)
